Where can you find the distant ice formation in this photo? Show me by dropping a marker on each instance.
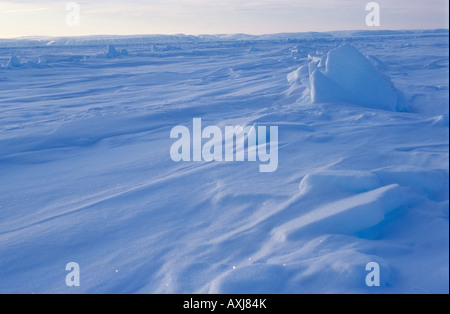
(113, 53)
(13, 62)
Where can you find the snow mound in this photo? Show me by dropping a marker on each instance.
(112, 53)
(441, 120)
(346, 216)
(13, 62)
(346, 75)
(350, 181)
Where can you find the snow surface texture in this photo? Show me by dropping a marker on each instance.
(86, 175)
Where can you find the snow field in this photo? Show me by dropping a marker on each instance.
(86, 174)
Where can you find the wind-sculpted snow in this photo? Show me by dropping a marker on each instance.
(345, 75)
(348, 215)
(13, 62)
(86, 174)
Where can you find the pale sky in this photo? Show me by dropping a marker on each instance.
(48, 17)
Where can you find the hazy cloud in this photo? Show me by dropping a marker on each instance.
(46, 17)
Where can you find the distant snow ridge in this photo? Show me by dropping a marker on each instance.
(113, 53)
(346, 75)
(155, 48)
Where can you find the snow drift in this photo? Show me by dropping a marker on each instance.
(13, 63)
(86, 174)
(112, 53)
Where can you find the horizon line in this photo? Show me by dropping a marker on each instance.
(224, 34)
